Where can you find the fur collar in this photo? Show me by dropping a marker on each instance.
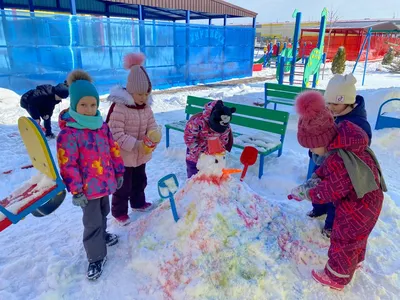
(119, 94)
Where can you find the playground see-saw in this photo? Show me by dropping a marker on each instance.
(44, 192)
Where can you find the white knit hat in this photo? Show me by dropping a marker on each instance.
(341, 89)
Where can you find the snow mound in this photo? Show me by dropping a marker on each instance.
(225, 245)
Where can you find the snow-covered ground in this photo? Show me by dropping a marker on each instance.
(43, 258)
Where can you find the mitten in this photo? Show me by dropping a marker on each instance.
(312, 182)
(299, 193)
(120, 182)
(151, 139)
(79, 200)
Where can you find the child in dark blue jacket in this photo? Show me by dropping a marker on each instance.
(345, 104)
(40, 103)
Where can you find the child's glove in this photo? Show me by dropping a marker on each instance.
(312, 182)
(120, 182)
(299, 193)
(79, 200)
(151, 139)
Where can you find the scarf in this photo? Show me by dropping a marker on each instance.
(85, 122)
(361, 176)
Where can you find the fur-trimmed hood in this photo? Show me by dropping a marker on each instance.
(119, 94)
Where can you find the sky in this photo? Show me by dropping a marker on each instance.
(281, 10)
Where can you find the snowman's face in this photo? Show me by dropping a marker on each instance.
(211, 164)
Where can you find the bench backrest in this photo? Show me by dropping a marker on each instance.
(285, 91)
(268, 120)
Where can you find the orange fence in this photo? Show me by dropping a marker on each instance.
(380, 44)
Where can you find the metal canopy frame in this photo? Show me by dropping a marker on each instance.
(131, 11)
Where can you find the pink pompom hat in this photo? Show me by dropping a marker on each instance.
(138, 79)
(316, 127)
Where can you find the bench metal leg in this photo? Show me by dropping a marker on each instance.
(280, 151)
(167, 137)
(261, 168)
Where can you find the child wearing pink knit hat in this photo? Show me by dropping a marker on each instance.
(349, 177)
(133, 126)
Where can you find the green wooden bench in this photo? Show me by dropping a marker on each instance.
(283, 94)
(263, 120)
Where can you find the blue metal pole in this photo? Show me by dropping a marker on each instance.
(225, 19)
(305, 63)
(142, 35)
(187, 62)
(109, 38)
(359, 54)
(282, 62)
(73, 7)
(140, 13)
(366, 58)
(31, 6)
(254, 23)
(209, 22)
(321, 33)
(294, 47)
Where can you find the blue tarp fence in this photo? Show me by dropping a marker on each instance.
(43, 48)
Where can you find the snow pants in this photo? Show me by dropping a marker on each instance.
(95, 225)
(354, 222)
(132, 191)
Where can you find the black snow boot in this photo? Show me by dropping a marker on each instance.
(95, 269)
(111, 239)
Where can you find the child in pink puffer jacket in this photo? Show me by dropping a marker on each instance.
(131, 119)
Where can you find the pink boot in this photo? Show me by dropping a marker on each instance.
(146, 207)
(321, 277)
(123, 220)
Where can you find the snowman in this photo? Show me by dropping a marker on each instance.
(212, 164)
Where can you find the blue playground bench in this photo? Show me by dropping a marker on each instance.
(262, 120)
(383, 121)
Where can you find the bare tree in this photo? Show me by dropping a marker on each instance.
(333, 18)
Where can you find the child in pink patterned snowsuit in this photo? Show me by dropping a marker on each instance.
(90, 165)
(350, 177)
(130, 118)
(212, 122)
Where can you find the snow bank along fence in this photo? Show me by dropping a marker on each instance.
(283, 94)
(273, 122)
(385, 120)
(42, 194)
(43, 48)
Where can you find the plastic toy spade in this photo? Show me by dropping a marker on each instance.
(248, 158)
(167, 187)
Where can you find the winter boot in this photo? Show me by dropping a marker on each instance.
(50, 136)
(111, 239)
(123, 220)
(146, 207)
(95, 269)
(312, 214)
(321, 277)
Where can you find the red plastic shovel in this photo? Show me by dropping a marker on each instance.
(248, 158)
